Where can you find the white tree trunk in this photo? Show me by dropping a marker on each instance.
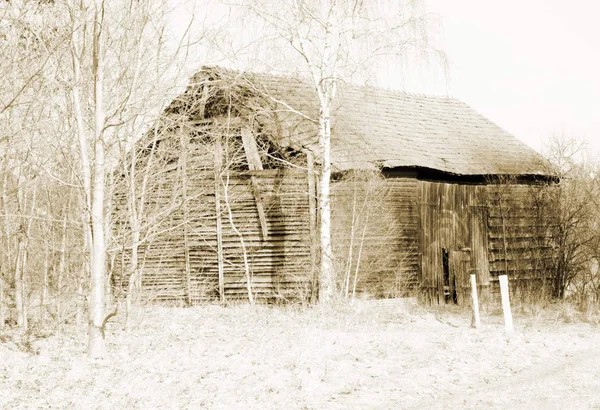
(20, 284)
(21, 260)
(134, 273)
(96, 347)
(44, 290)
(134, 221)
(6, 263)
(62, 264)
(327, 285)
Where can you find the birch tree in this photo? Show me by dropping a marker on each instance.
(78, 82)
(134, 66)
(93, 165)
(335, 40)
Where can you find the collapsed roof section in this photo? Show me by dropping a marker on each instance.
(372, 128)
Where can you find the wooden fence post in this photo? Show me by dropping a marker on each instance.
(508, 322)
(476, 321)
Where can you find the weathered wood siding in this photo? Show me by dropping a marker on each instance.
(451, 221)
(375, 235)
(391, 236)
(520, 221)
(279, 264)
(496, 229)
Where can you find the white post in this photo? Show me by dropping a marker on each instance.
(508, 322)
(476, 321)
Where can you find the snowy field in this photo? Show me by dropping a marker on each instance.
(367, 357)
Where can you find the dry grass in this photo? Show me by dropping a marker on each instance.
(343, 357)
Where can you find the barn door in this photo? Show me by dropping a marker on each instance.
(453, 237)
(459, 263)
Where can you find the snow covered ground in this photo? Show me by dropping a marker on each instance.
(361, 357)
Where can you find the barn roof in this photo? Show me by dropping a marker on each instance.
(374, 127)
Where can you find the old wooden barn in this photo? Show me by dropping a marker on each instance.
(425, 191)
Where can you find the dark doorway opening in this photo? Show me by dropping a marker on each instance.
(449, 281)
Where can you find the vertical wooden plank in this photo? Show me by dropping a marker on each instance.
(459, 276)
(186, 216)
(479, 241)
(437, 232)
(251, 150)
(255, 164)
(218, 165)
(445, 198)
(454, 216)
(418, 234)
(454, 267)
(476, 322)
(436, 200)
(431, 245)
(465, 279)
(462, 212)
(312, 225)
(425, 242)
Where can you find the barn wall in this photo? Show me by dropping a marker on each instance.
(375, 240)
(520, 221)
(389, 235)
(472, 224)
(279, 265)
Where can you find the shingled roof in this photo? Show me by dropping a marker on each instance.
(378, 128)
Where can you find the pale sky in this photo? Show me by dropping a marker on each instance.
(531, 66)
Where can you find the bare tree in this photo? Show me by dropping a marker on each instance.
(575, 233)
(334, 39)
(147, 87)
(30, 39)
(123, 63)
(78, 82)
(93, 162)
